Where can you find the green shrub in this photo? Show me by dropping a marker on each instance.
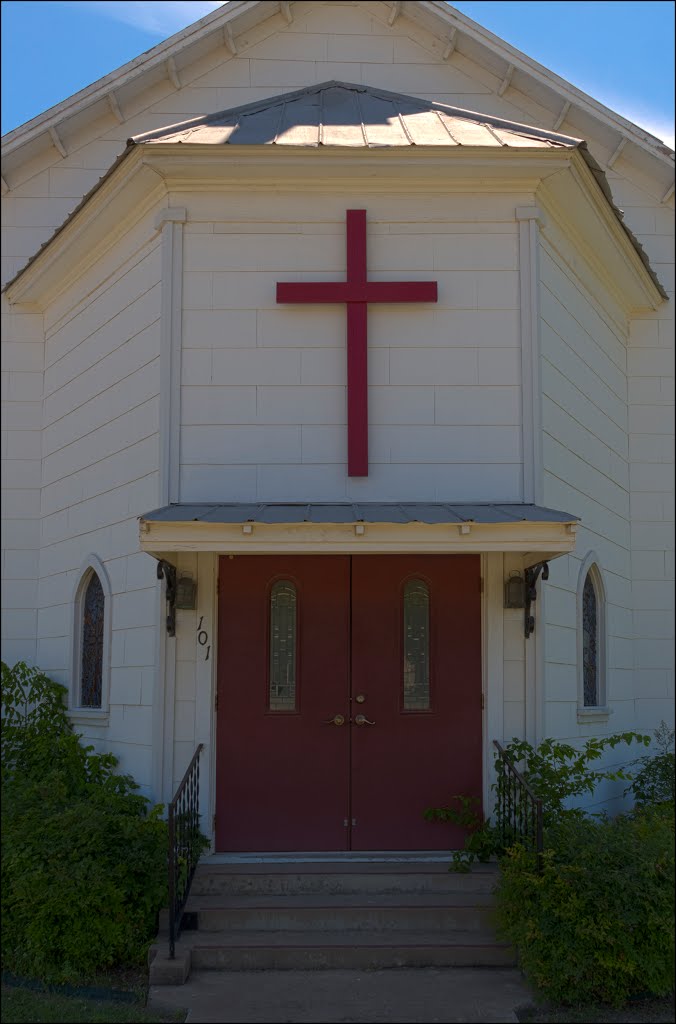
(556, 772)
(653, 782)
(83, 855)
(597, 924)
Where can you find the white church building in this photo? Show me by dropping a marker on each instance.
(338, 379)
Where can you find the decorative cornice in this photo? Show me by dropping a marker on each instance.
(394, 13)
(531, 213)
(172, 73)
(170, 214)
(115, 108)
(506, 81)
(147, 173)
(58, 142)
(562, 115)
(537, 541)
(436, 17)
(451, 43)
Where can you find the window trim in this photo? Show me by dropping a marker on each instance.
(77, 713)
(600, 712)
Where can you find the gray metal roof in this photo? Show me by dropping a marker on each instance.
(344, 114)
(356, 512)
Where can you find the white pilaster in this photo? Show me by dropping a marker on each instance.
(492, 571)
(205, 682)
(170, 222)
(530, 219)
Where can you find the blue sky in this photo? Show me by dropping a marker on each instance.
(622, 53)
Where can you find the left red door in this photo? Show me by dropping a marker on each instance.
(282, 767)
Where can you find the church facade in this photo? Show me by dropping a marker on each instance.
(338, 396)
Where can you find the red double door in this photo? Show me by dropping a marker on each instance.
(349, 699)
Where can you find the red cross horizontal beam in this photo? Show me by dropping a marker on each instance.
(370, 291)
(357, 292)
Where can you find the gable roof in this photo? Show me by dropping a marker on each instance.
(225, 24)
(346, 114)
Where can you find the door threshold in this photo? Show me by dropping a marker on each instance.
(332, 857)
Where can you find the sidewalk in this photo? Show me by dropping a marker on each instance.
(398, 996)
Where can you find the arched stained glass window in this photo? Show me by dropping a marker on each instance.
(283, 632)
(416, 669)
(590, 644)
(91, 658)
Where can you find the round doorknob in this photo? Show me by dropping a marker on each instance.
(362, 720)
(336, 720)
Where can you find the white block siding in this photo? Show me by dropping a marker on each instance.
(264, 386)
(650, 368)
(99, 473)
(587, 471)
(354, 44)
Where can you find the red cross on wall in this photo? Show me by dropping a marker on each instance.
(357, 293)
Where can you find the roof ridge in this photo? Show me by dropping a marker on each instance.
(487, 120)
(218, 20)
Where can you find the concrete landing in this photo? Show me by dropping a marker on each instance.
(400, 996)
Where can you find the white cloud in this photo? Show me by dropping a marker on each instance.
(159, 17)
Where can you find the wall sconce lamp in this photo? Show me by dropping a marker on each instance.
(515, 590)
(186, 592)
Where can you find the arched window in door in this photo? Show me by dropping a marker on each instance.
(416, 645)
(282, 643)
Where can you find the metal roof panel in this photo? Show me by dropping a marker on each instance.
(433, 513)
(344, 113)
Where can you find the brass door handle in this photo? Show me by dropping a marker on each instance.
(362, 720)
(336, 720)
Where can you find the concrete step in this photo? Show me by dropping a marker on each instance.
(314, 950)
(358, 913)
(345, 878)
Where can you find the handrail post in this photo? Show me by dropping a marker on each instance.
(515, 796)
(172, 882)
(182, 837)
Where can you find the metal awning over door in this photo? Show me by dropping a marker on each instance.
(341, 527)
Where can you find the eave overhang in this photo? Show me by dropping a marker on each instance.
(145, 175)
(539, 535)
(227, 26)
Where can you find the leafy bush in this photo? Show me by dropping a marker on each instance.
(482, 839)
(556, 772)
(83, 856)
(653, 783)
(597, 924)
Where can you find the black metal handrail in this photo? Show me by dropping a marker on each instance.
(184, 844)
(519, 810)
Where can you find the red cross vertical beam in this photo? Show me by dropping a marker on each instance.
(357, 292)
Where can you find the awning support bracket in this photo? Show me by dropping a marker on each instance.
(168, 571)
(532, 575)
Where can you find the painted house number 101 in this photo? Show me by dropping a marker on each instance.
(203, 638)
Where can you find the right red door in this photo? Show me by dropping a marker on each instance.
(416, 682)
